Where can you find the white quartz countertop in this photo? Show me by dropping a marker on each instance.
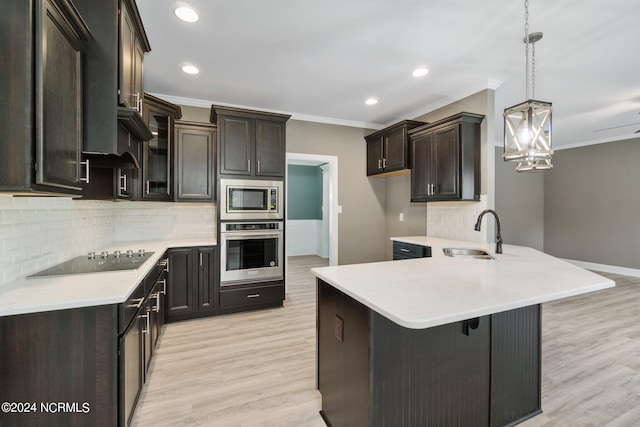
(426, 292)
(82, 290)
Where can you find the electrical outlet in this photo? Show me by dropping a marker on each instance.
(401, 216)
(339, 328)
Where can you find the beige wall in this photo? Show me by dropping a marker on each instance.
(592, 204)
(361, 225)
(195, 114)
(398, 196)
(520, 204)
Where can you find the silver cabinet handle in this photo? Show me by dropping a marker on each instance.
(137, 303)
(253, 296)
(258, 166)
(123, 183)
(86, 171)
(384, 163)
(147, 185)
(200, 259)
(404, 250)
(249, 165)
(433, 189)
(137, 100)
(145, 330)
(156, 307)
(164, 286)
(428, 189)
(379, 164)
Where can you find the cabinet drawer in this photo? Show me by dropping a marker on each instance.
(403, 250)
(130, 307)
(254, 295)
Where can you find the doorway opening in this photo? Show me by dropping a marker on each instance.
(314, 232)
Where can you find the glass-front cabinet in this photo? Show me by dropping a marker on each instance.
(156, 157)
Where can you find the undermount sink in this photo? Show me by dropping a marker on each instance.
(467, 253)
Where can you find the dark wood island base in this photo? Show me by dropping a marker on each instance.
(371, 371)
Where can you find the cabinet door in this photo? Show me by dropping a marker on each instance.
(446, 162)
(421, 170)
(180, 282)
(58, 102)
(395, 150)
(194, 162)
(205, 290)
(236, 134)
(130, 367)
(374, 156)
(156, 158)
(127, 65)
(124, 183)
(138, 93)
(270, 149)
(148, 317)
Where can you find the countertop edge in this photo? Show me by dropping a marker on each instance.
(594, 282)
(14, 305)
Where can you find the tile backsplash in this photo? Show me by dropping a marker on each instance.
(455, 220)
(36, 232)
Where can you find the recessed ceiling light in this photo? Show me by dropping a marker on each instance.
(371, 101)
(419, 72)
(186, 14)
(190, 69)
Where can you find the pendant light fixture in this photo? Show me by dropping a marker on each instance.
(527, 126)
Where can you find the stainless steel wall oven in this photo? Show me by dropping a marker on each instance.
(251, 252)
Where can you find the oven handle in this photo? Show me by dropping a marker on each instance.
(252, 235)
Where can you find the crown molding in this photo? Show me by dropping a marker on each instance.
(191, 102)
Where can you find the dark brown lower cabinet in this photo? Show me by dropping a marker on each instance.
(68, 356)
(191, 283)
(374, 372)
(82, 366)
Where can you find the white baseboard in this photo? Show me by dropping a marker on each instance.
(606, 268)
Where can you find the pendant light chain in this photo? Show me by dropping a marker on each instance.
(533, 71)
(526, 45)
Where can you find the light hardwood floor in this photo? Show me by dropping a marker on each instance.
(245, 369)
(258, 369)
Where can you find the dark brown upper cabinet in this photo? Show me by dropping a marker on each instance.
(388, 150)
(133, 46)
(251, 143)
(113, 74)
(43, 43)
(445, 159)
(195, 145)
(156, 167)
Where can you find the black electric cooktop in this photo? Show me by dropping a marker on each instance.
(96, 264)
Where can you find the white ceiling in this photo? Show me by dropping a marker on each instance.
(319, 60)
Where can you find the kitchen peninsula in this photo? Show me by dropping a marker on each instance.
(438, 341)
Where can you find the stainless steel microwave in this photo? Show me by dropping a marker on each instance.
(243, 199)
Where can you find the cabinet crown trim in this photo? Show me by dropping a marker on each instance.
(71, 14)
(217, 110)
(456, 118)
(172, 109)
(409, 124)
